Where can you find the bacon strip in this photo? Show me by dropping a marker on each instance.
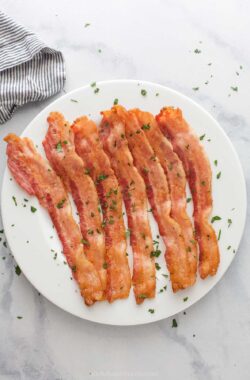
(198, 171)
(36, 177)
(89, 148)
(60, 151)
(112, 134)
(158, 194)
(176, 177)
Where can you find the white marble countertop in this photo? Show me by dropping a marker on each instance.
(154, 41)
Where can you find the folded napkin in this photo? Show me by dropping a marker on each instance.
(29, 70)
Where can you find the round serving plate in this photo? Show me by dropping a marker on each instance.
(34, 242)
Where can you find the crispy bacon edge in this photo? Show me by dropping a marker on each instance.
(89, 148)
(176, 178)
(198, 172)
(157, 190)
(36, 177)
(69, 166)
(134, 196)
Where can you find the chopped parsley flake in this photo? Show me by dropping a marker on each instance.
(73, 268)
(61, 203)
(189, 200)
(105, 265)
(111, 220)
(151, 311)
(170, 166)
(185, 299)
(93, 84)
(19, 317)
(146, 127)
(33, 209)
(214, 218)
(219, 235)
(165, 275)
(143, 92)
(59, 147)
(234, 88)
(84, 242)
(155, 253)
(197, 51)
(218, 175)
(18, 270)
(229, 247)
(202, 136)
(14, 200)
(101, 177)
(195, 88)
(74, 100)
(229, 221)
(86, 25)
(116, 101)
(157, 266)
(96, 90)
(142, 296)
(215, 162)
(127, 233)
(174, 323)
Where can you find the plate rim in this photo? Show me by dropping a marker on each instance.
(236, 158)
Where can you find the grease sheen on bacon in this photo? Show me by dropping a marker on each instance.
(60, 151)
(176, 177)
(89, 148)
(37, 178)
(157, 189)
(197, 167)
(112, 134)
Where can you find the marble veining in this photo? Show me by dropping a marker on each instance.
(154, 41)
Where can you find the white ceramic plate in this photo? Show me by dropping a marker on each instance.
(31, 237)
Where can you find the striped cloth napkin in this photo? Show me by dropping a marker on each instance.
(29, 70)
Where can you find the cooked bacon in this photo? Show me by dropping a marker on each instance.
(176, 177)
(198, 171)
(158, 194)
(36, 177)
(60, 151)
(112, 134)
(89, 148)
